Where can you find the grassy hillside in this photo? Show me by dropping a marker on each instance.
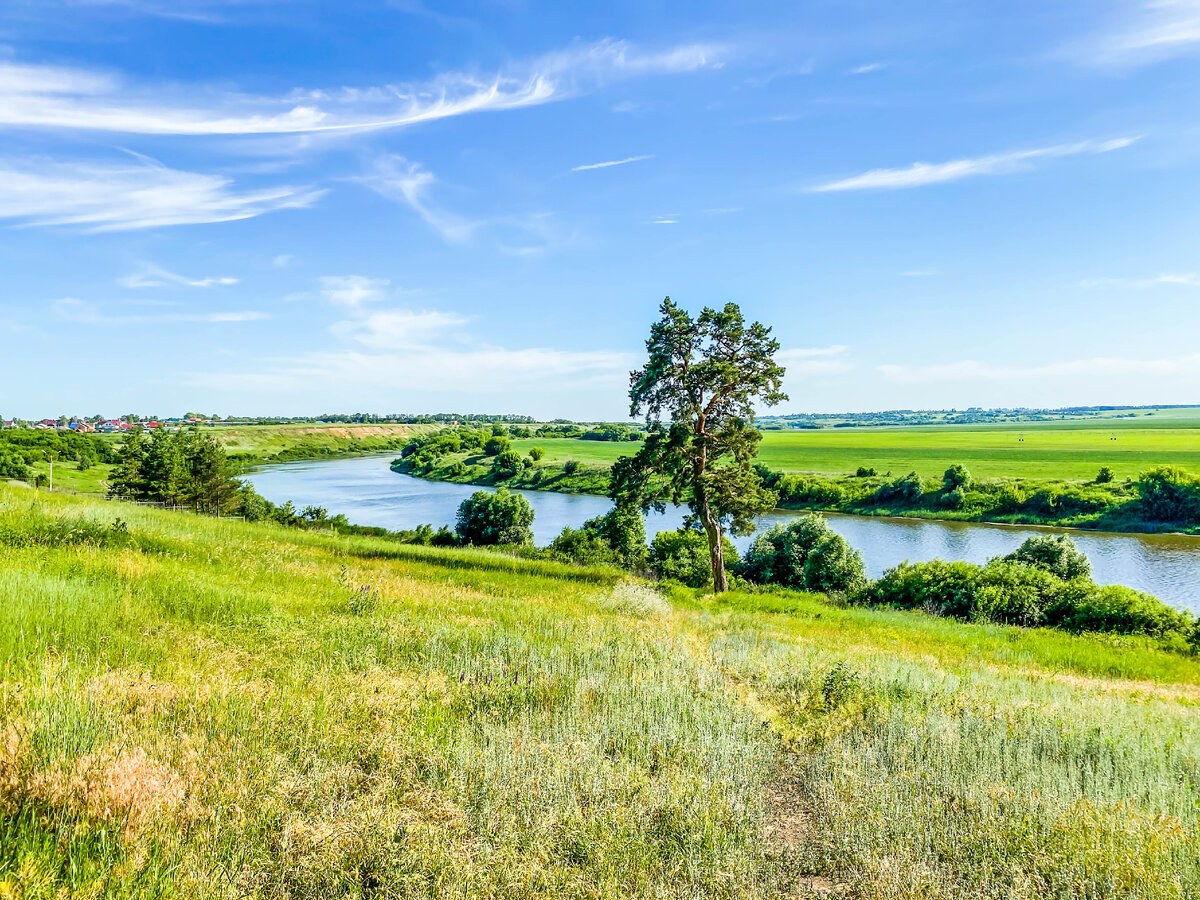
(192, 707)
(266, 443)
(1069, 449)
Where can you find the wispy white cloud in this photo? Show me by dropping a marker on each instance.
(152, 276)
(798, 353)
(72, 309)
(807, 362)
(283, 260)
(1184, 280)
(352, 291)
(612, 162)
(120, 196)
(1139, 33)
(55, 97)
(867, 68)
(1096, 367)
(517, 234)
(920, 174)
(400, 329)
(668, 219)
(407, 182)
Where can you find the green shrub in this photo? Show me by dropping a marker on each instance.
(583, 546)
(954, 499)
(1106, 475)
(1169, 494)
(906, 490)
(1114, 608)
(487, 519)
(1078, 500)
(496, 445)
(683, 555)
(805, 555)
(1009, 499)
(1042, 503)
(777, 556)
(1013, 593)
(618, 536)
(12, 465)
(808, 490)
(938, 587)
(865, 472)
(507, 463)
(956, 477)
(1019, 594)
(571, 466)
(536, 453)
(834, 567)
(1054, 553)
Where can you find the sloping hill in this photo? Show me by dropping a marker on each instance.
(194, 707)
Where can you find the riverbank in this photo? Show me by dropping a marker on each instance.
(1085, 506)
(506, 727)
(369, 492)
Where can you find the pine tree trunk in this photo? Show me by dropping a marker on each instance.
(716, 552)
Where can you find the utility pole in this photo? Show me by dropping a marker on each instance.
(50, 454)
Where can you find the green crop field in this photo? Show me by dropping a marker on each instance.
(1070, 449)
(192, 707)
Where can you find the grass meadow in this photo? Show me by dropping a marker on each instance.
(193, 707)
(1067, 450)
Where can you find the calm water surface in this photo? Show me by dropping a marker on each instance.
(369, 493)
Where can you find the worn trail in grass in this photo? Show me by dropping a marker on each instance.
(201, 708)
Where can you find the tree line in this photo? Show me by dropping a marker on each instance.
(21, 448)
(186, 468)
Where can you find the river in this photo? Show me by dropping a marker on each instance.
(369, 493)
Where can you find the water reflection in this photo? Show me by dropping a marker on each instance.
(369, 493)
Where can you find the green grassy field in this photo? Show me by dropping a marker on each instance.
(1070, 449)
(201, 708)
(67, 477)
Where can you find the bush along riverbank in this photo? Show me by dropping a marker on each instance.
(470, 456)
(1045, 583)
(1162, 499)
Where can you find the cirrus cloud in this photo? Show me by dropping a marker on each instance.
(36, 96)
(124, 196)
(920, 174)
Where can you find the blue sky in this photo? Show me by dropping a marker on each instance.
(280, 206)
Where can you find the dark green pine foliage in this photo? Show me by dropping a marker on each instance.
(180, 468)
(697, 391)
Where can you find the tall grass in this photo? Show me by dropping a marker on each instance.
(194, 707)
(986, 774)
(279, 714)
